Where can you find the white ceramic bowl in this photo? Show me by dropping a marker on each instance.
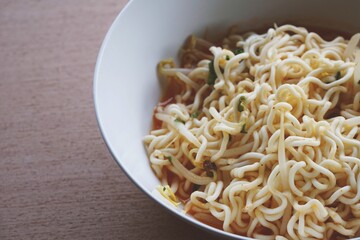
(125, 84)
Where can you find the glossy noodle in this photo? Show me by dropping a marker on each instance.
(261, 137)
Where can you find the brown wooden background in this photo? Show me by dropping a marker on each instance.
(57, 179)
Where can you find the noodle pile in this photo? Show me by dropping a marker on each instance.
(271, 148)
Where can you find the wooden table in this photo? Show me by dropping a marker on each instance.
(57, 179)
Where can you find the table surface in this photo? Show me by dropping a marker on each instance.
(57, 179)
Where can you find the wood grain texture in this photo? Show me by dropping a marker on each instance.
(57, 179)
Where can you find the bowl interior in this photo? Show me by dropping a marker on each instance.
(126, 88)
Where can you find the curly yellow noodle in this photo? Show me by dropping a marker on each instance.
(271, 150)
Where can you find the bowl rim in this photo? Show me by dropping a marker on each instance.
(96, 80)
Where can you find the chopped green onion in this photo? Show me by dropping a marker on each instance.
(195, 114)
(164, 189)
(179, 120)
(212, 74)
(241, 106)
(238, 51)
(169, 158)
(243, 130)
(242, 98)
(227, 57)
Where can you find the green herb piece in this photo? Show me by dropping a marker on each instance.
(227, 57)
(238, 51)
(243, 130)
(338, 75)
(241, 105)
(164, 189)
(179, 120)
(169, 158)
(212, 74)
(195, 187)
(209, 167)
(195, 114)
